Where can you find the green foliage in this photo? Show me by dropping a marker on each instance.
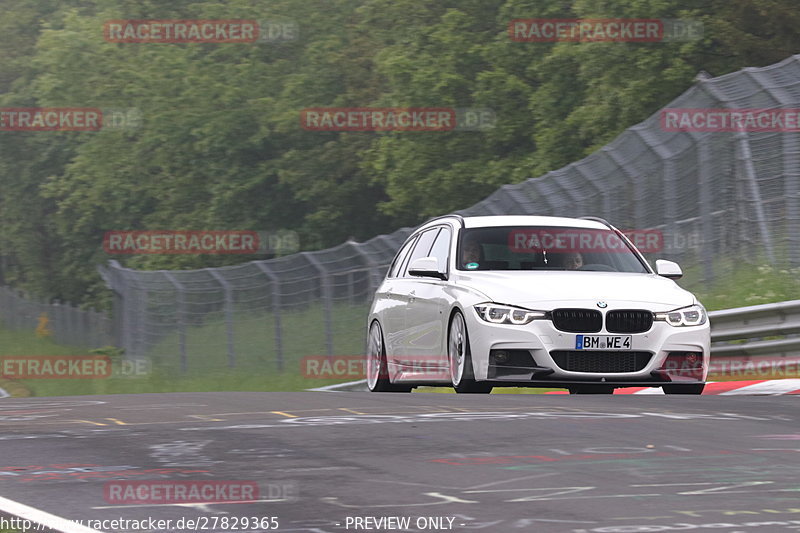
(220, 144)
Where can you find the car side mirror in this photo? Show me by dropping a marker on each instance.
(426, 267)
(668, 269)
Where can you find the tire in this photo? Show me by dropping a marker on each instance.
(460, 358)
(376, 366)
(591, 389)
(695, 388)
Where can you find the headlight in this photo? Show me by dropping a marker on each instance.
(504, 314)
(694, 315)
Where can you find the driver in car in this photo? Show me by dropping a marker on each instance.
(471, 252)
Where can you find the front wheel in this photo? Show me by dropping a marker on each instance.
(377, 368)
(460, 359)
(695, 388)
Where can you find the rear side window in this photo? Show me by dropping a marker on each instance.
(422, 248)
(400, 259)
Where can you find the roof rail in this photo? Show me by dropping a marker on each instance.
(453, 215)
(598, 219)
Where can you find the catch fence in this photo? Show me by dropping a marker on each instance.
(720, 199)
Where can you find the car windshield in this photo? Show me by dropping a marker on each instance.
(546, 248)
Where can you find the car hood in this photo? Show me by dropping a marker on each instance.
(548, 290)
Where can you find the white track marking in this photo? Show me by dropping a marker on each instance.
(50, 521)
(650, 390)
(773, 387)
(339, 387)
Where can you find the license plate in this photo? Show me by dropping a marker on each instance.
(602, 342)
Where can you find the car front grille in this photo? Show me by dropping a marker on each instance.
(577, 320)
(600, 362)
(629, 321)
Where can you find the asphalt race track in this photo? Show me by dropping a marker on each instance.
(329, 462)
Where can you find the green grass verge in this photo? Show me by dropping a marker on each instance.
(256, 369)
(24, 342)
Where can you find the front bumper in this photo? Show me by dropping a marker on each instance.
(543, 342)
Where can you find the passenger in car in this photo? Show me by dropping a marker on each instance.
(572, 260)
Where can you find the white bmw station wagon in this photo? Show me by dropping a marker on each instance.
(527, 301)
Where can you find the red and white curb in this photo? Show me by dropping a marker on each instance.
(765, 387)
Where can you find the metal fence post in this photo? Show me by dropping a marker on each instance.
(80, 327)
(181, 319)
(791, 188)
(56, 320)
(226, 286)
(63, 321)
(69, 323)
(668, 180)
(17, 320)
(351, 290)
(92, 330)
(326, 300)
(123, 312)
(374, 275)
(134, 317)
(706, 204)
(591, 182)
(751, 181)
(10, 299)
(276, 310)
(793, 222)
(670, 208)
(121, 333)
(633, 177)
(22, 311)
(64, 333)
(71, 329)
(110, 278)
(373, 279)
(83, 332)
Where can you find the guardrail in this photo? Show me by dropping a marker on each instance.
(746, 331)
